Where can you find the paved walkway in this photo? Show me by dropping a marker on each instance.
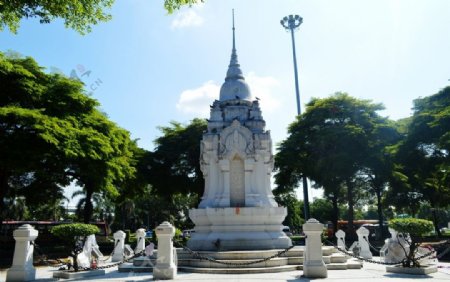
(370, 272)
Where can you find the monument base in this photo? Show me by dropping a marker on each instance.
(232, 229)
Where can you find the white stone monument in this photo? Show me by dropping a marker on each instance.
(22, 268)
(313, 264)
(237, 210)
(119, 243)
(140, 237)
(165, 263)
(363, 240)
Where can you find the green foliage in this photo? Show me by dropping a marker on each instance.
(69, 231)
(173, 5)
(416, 228)
(52, 133)
(422, 158)
(294, 212)
(413, 226)
(175, 166)
(77, 15)
(330, 143)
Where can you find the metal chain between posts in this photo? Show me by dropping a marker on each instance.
(371, 246)
(113, 264)
(45, 260)
(380, 262)
(69, 265)
(201, 257)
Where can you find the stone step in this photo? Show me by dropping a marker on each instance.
(297, 251)
(272, 269)
(129, 267)
(144, 261)
(232, 263)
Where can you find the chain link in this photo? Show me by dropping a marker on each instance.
(380, 262)
(211, 259)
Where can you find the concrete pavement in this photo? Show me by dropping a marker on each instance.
(369, 272)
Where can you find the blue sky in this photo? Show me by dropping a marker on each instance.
(148, 68)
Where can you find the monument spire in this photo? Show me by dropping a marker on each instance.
(235, 86)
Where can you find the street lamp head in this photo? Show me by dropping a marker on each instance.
(291, 22)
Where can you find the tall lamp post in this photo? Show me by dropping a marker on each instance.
(291, 23)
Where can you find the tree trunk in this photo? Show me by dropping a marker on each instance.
(380, 212)
(435, 222)
(88, 207)
(335, 218)
(351, 226)
(3, 191)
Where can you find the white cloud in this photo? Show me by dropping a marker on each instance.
(263, 87)
(187, 18)
(196, 101)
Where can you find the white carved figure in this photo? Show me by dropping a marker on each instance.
(363, 242)
(90, 246)
(396, 248)
(237, 210)
(140, 237)
(119, 243)
(340, 235)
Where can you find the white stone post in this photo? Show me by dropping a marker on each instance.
(165, 263)
(119, 243)
(313, 265)
(140, 237)
(363, 240)
(340, 236)
(22, 268)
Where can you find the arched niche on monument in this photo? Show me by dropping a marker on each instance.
(236, 144)
(237, 182)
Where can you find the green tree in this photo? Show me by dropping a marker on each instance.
(77, 15)
(322, 210)
(174, 164)
(172, 5)
(52, 133)
(294, 213)
(414, 229)
(378, 166)
(423, 157)
(74, 235)
(329, 143)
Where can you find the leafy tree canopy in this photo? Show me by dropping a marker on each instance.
(174, 164)
(51, 133)
(79, 15)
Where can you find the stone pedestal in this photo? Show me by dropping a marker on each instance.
(313, 264)
(165, 263)
(247, 228)
(363, 240)
(119, 243)
(140, 237)
(22, 268)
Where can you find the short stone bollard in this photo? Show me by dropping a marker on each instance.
(140, 237)
(165, 263)
(313, 264)
(119, 243)
(340, 236)
(22, 268)
(363, 240)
